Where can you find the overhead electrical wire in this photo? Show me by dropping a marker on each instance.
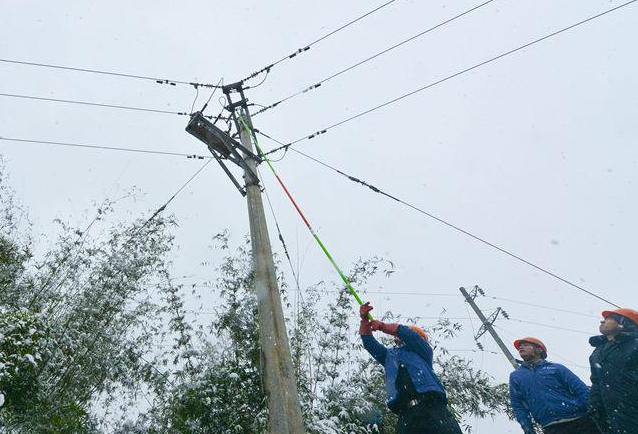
(589, 333)
(112, 73)
(295, 275)
(469, 318)
(219, 83)
(279, 234)
(307, 47)
(449, 77)
(95, 104)
(179, 190)
(540, 306)
(448, 224)
(135, 233)
(79, 241)
(374, 56)
(108, 148)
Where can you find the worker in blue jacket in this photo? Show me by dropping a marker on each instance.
(414, 392)
(548, 393)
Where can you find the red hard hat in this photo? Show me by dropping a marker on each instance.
(420, 331)
(531, 340)
(627, 313)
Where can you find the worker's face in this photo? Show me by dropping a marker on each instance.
(529, 351)
(609, 326)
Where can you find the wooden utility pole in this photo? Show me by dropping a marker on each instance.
(488, 326)
(276, 362)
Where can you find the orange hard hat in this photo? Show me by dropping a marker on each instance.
(420, 331)
(531, 340)
(625, 312)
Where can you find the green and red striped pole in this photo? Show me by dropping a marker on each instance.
(323, 247)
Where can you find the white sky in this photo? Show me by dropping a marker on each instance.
(534, 152)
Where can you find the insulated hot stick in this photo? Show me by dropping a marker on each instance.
(323, 247)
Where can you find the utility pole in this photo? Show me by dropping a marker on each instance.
(487, 326)
(276, 362)
(277, 369)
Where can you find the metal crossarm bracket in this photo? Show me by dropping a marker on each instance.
(223, 147)
(491, 320)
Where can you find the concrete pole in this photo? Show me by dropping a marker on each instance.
(490, 329)
(276, 362)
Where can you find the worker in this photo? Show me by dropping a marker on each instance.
(548, 393)
(614, 373)
(414, 392)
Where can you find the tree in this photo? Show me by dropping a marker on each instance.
(78, 322)
(341, 389)
(83, 327)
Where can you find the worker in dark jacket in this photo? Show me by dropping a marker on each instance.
(548, 393)
(614, 373)
(414, 391)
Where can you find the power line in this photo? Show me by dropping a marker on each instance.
(267, 68)
(112, 73)
(351, 67)
(108, 148)
(134, 234)
(95, 104)
(332, 291)
(449, 77)
(551, 326)
(159, 210)
(450, 225)
(163, 207)
(509, 300)
(451, 318)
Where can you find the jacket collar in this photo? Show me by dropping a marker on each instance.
(597, 341)
(534, 365)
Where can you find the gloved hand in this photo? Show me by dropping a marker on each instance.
(364, 310)
(365, 327)
(390, 329)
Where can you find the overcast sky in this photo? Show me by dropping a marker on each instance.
(535, 152)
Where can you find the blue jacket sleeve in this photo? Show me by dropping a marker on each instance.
(575, 385)
(415, 343)
(375, 348)
(521, 411)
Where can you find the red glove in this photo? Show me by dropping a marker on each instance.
(364, 310)
(390, 329)
(365, 327)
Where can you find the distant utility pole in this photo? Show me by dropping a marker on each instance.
(277, 369)
(487, 325)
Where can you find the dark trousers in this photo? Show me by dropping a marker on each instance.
(430, 416)
(584, 425)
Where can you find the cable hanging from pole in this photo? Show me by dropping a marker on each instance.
(368, 59)
(449, 77)
(133, 235)
(295, 275)
(157, 80)
(448, 224)
(307, 47)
